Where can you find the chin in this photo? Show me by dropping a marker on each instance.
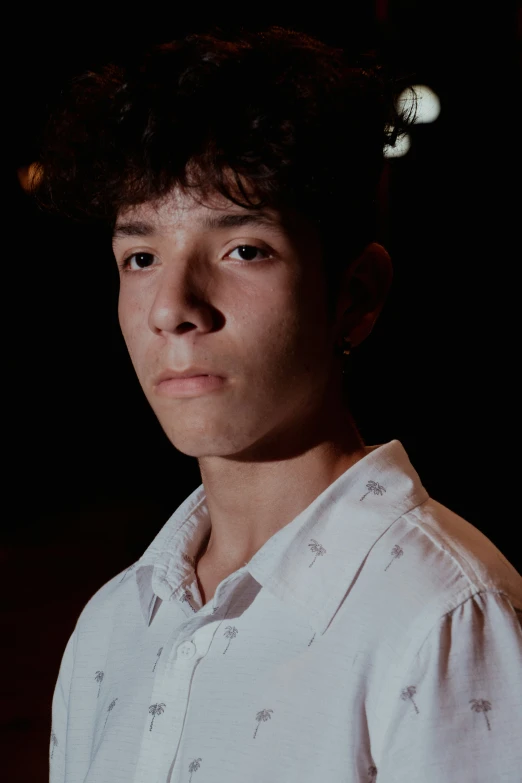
(207, 443)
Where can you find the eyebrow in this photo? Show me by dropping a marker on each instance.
(239, 219)
(140, 228)
(137, 228)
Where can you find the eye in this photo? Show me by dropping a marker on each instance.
(248, 253)
(141, 261)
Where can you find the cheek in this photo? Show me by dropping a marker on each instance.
(275, 322)
(279, 340)
(133, 324)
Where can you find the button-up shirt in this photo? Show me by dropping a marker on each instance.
(375, 637)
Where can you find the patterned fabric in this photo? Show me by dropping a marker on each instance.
(376, 637)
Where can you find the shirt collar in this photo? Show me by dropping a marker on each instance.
(312, 561)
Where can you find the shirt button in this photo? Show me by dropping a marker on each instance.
(187, 650)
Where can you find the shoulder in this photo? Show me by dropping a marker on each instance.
(427, 564)
(451, 651)
(106, 601)
(460, 554)
(449, 605)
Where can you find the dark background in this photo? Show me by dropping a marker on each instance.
(91, 475)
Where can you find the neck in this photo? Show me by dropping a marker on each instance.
(250, 499)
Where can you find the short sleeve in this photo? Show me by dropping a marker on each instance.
(59, 714)
(455, 712)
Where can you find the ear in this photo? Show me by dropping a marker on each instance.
(363, 291)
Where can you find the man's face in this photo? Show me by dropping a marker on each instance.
(236, 293)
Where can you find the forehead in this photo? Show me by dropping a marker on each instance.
(180, 207)
(211, 211)
(176, 206)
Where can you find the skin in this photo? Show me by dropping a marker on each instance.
(277, 434)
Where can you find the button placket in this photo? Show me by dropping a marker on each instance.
(170, 698)
(171, 693)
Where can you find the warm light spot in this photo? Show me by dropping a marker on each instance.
(30, 176)
(427, 107)
(401, 147)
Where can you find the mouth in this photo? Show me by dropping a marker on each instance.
(188, 386)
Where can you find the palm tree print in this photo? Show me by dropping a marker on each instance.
(194, 766)
(375, 487)
(372, 773)
(109, 708)
(127, 571)
(396, 552)
(54, 742)
(156, 709)
(481, 705)
(262, 715)
(157, 657)
(319, 550)
(409, 693)
(311, 640)
(230, 633)
(99, 678)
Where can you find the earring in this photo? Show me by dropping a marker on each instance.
(348, 346)
(343, 346)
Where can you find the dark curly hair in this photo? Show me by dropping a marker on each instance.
(270, 118)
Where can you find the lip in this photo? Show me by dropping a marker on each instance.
(190, 372)
(191, 386)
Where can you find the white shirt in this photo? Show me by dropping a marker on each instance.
(376, 637)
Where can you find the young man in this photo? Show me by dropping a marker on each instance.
(309, 613)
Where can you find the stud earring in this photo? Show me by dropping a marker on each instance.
(348, 346)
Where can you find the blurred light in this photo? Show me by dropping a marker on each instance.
(428, 103)
(29, 176)
(401, 147)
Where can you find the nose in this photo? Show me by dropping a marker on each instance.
(180, 301)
